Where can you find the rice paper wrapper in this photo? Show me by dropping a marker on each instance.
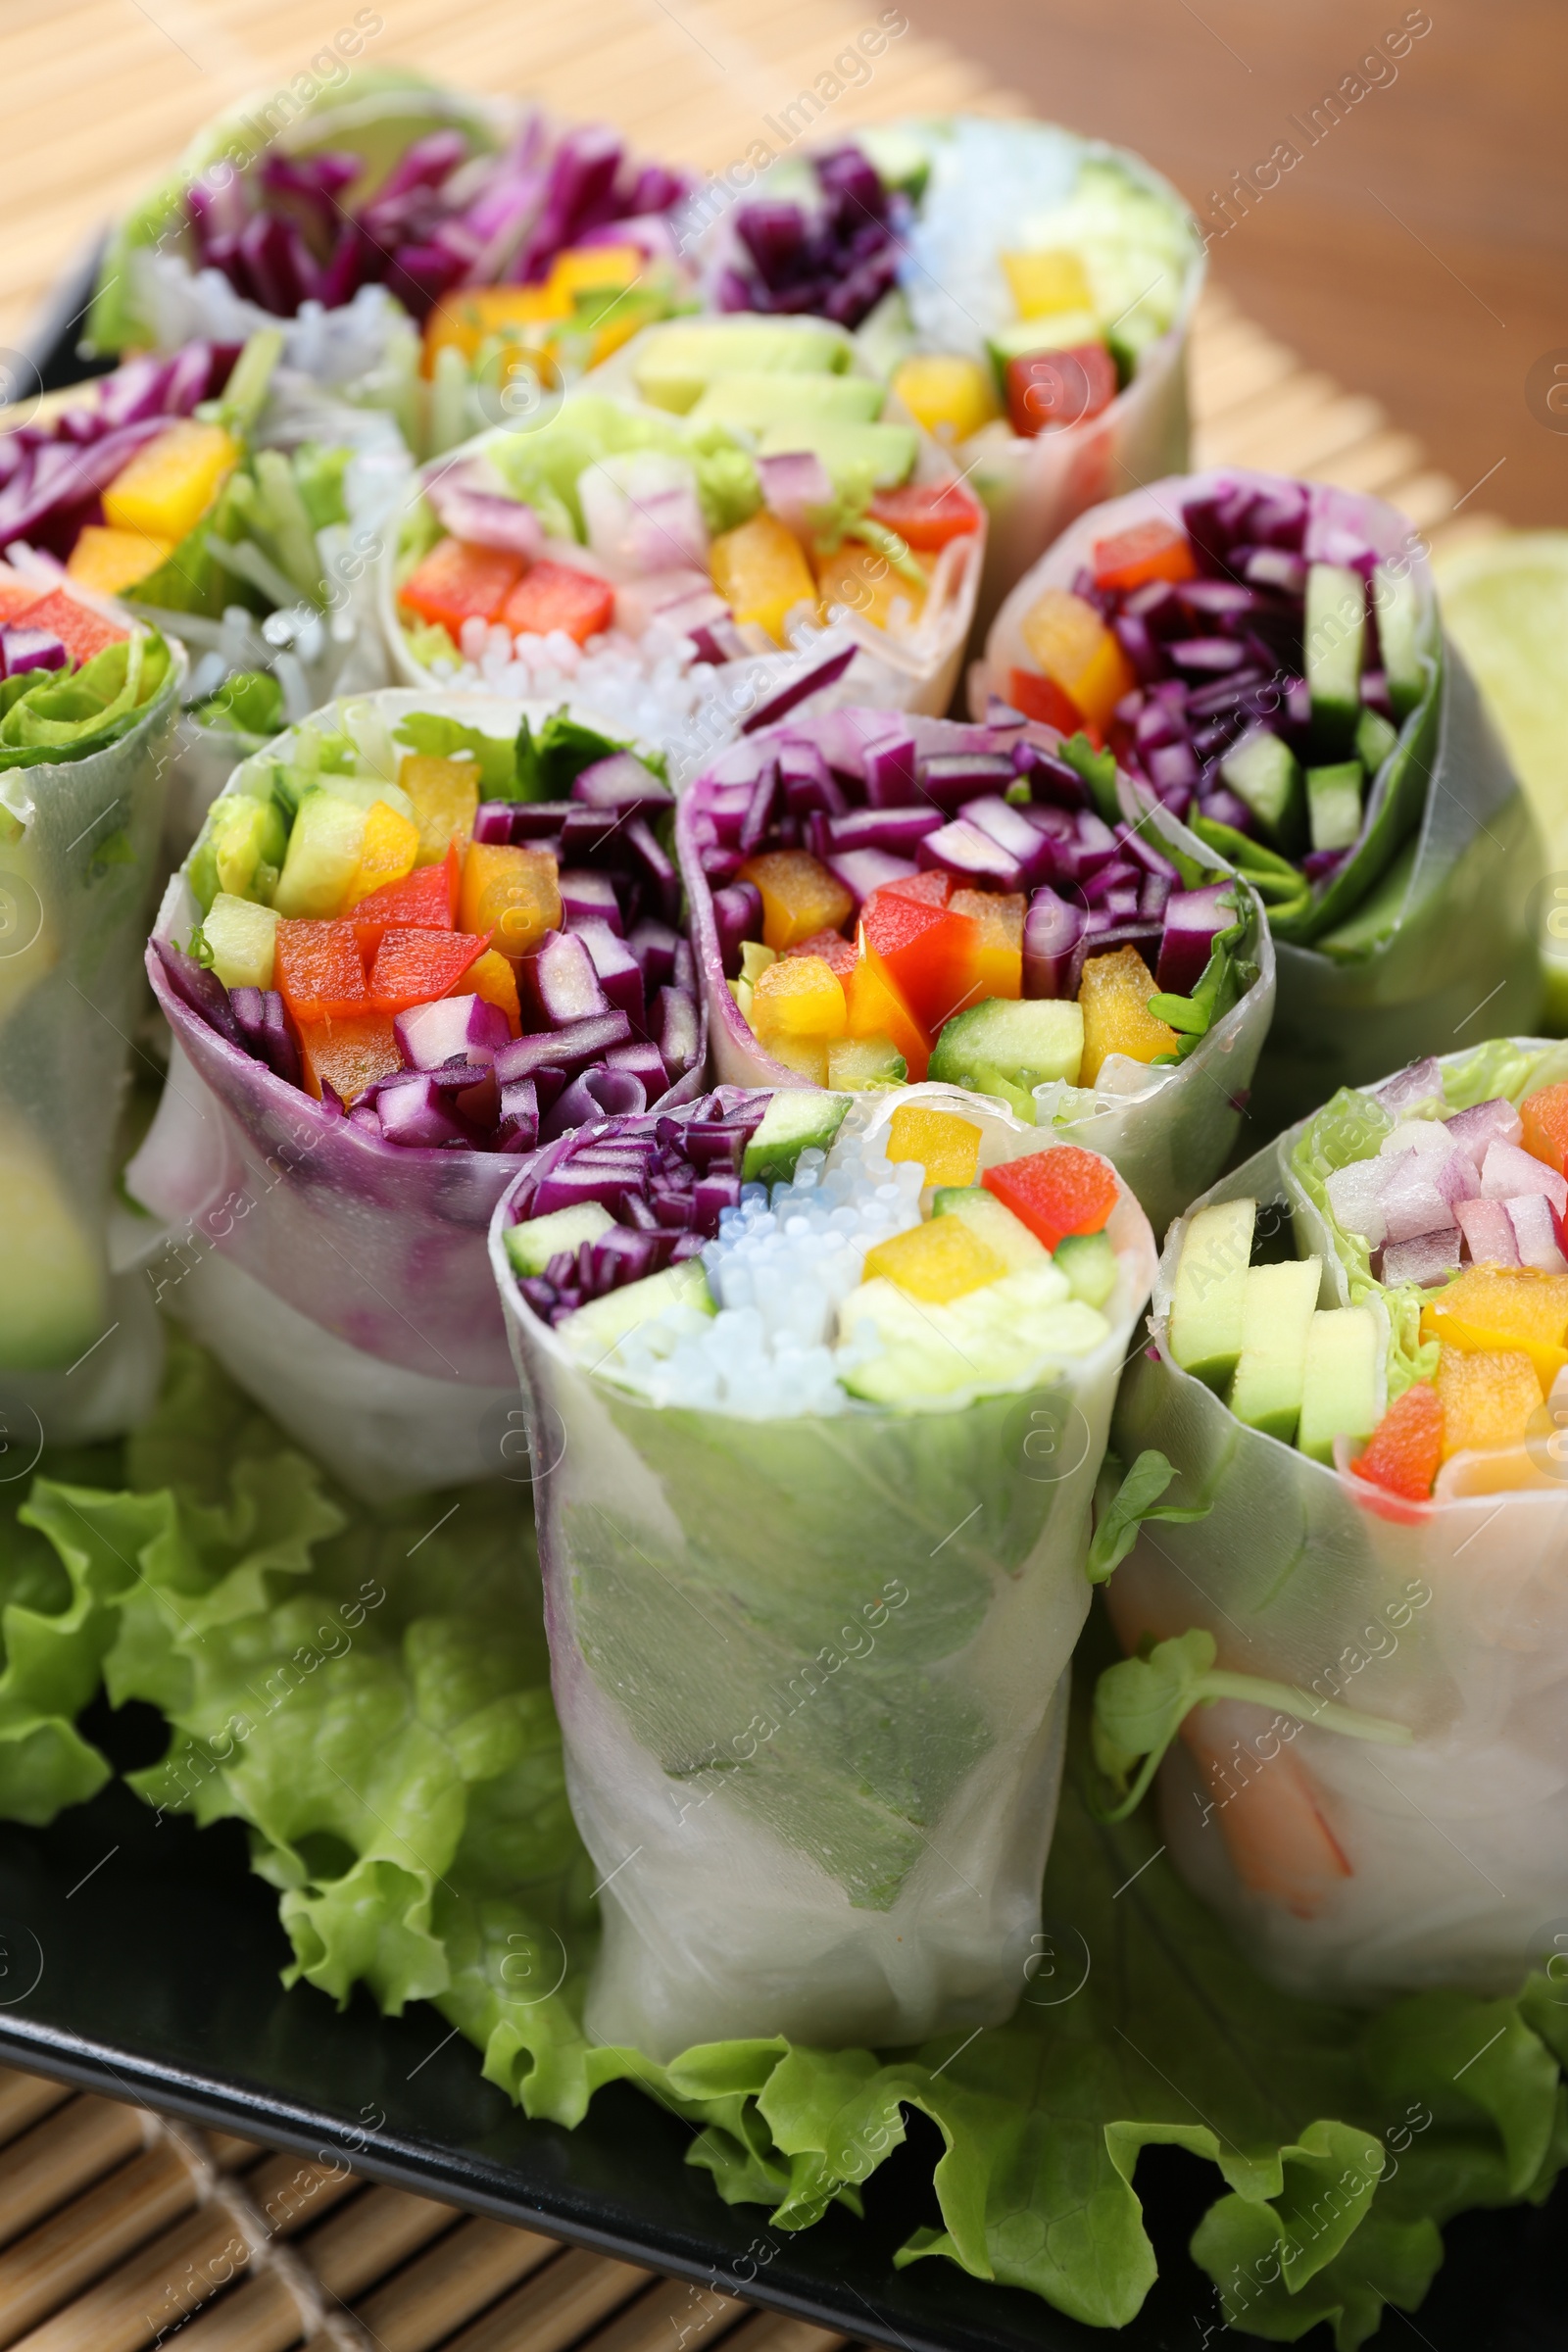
(812, 1676)
(1167, 1132)
(1344, 1868)
(1032, 488)
(79, 862)
(377, 1245)
(1439, 922)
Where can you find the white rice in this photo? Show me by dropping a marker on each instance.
(779, 1271)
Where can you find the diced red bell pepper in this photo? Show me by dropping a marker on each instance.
(81, 631)
(834, 949)
(1055, 1193)
(319, 971)
(1404, 1452)
(1150, 550)
(426, 900)
(1050, 390)
(1043, 699)
(927, 955)
(1544, 1116)
(927, 515)
(932, 888)
(555, 596)
(457, 582)
(16, 595)
(416, 967)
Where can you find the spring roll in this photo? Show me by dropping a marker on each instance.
(1265, 658)
(819, 1385)
(876, 900)
(417, 937)
(1360, 1374)
(86, 708)
(1027, 293)
(723, 522)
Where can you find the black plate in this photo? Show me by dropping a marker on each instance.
(140, 1958)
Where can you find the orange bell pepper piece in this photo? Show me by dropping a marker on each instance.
(319, 971)
(1545, 1120)
(348, 1054)
(874, 1008)
(799, 896)
(493, 979)
(999, 959)
(511, 894)
(1074, 646)
(1043, 700)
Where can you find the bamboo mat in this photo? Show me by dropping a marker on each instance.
(114, 2226)
(117, 2229)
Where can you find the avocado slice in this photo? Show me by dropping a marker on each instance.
(756, 402)
(680, 363)
(1278, 1304)
(1342, 1389)
(853, 453)
(1205, 1309)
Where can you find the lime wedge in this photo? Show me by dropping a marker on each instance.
(1505, 605)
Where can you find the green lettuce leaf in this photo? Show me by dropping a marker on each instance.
(443, 738)
(369, 1692)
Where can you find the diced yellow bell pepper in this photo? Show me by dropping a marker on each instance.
(943, 1259)
(493, 978)
(998, 968)
(761, 571)
(510, 893)
(1114, 996)
(463, 320)
(798, 997)
(946, 1146)
(110, 561)
(388, 852)
(170, 482)
(1488, 1398)
(1492, 1308)
(446, 801)
(862, 578)
(949, 397)
(582, 266)
(1047, 281)
(801, 896)
(1074, 648)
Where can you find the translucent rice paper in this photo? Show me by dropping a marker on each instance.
(1458, 932)
(79, 867)
(1451, 1618)
(1168, 1132)
(1034, 488)
(812, 1676)
(371, 1246)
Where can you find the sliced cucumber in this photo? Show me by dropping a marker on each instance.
(1334, 805)
(532, 1245)
(1342, 1386)
(1398, 611)
(883, 454)
(1089, 1264)
(241, 935)
(1375, 739)
(796, 1120)
(324, 857)
(859, 1062)
(993, 1224)
(1262, 770)
(1207, 1303)
(1278, 1305)
(1336, 639)
(1010, 1045)
(600, 1326)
